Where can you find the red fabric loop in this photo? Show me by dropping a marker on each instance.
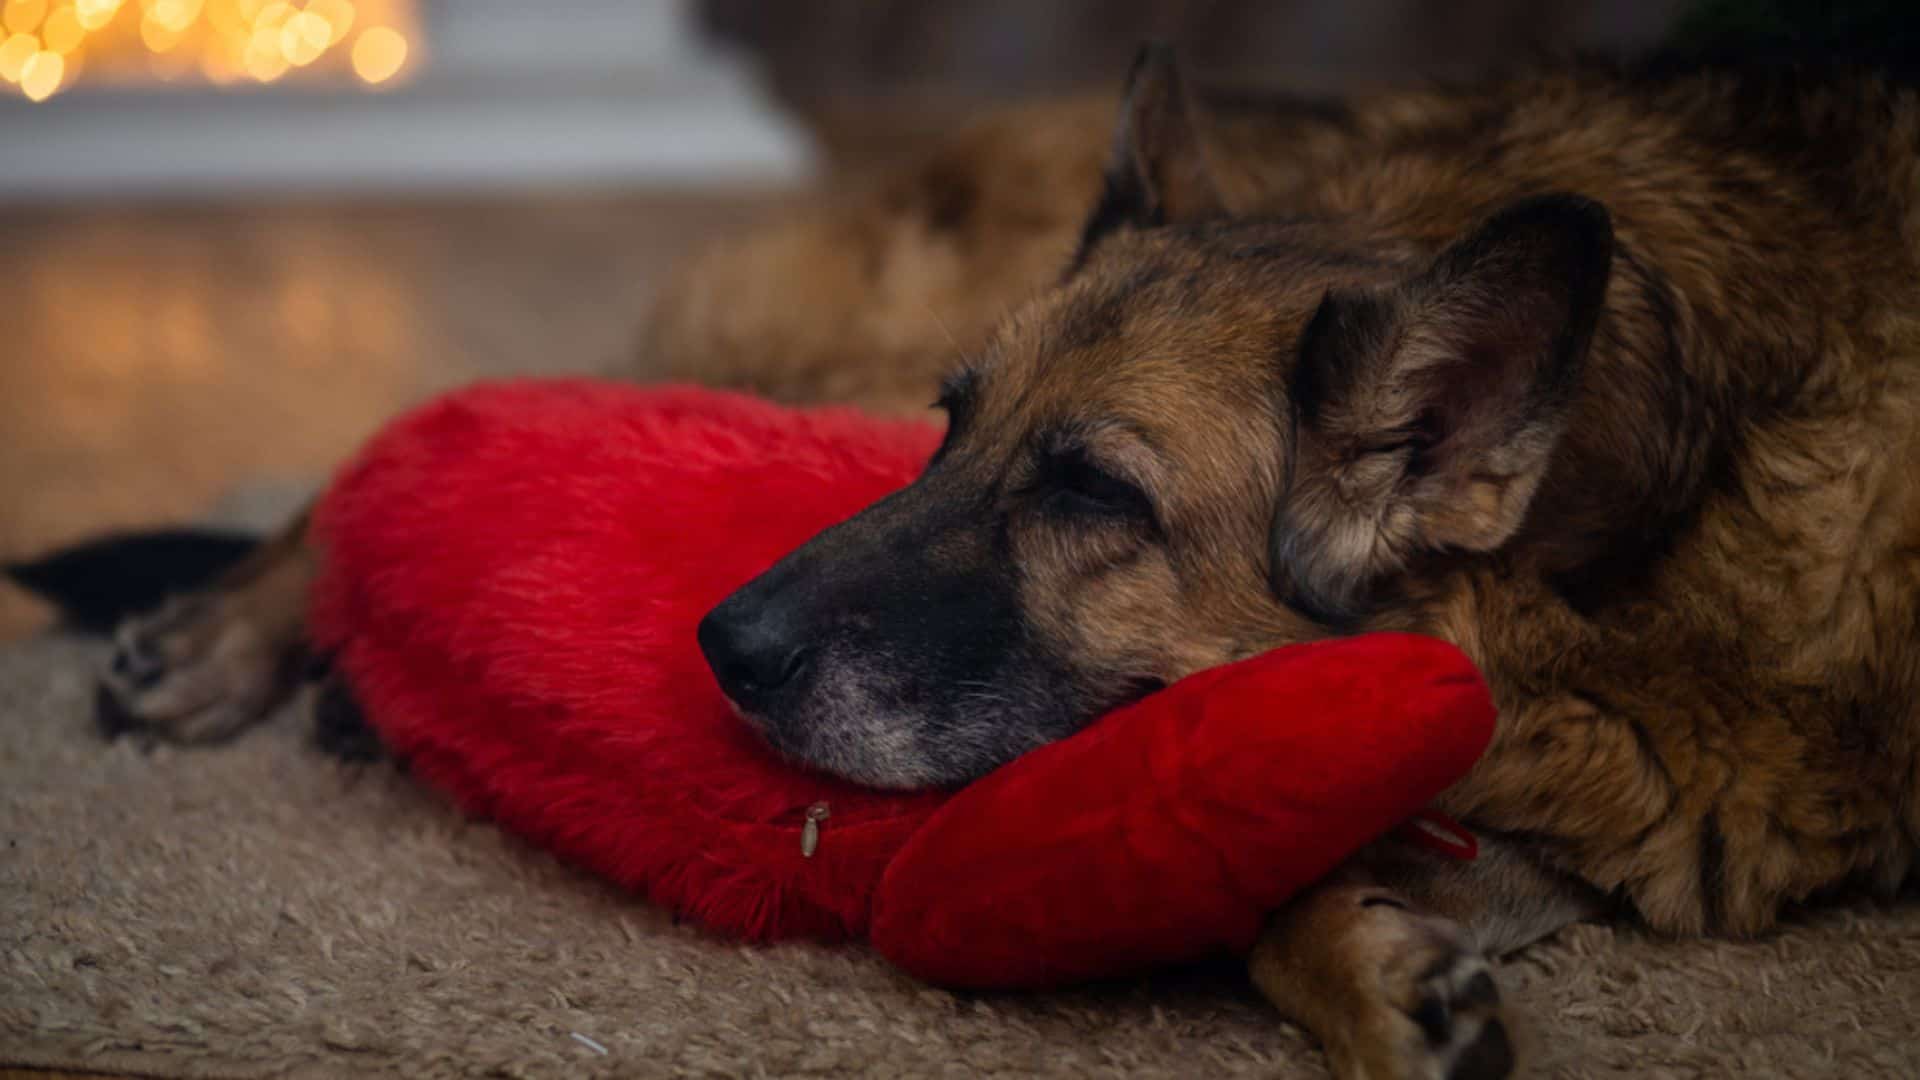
(1439, 833)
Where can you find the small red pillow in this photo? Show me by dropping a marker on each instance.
(1174, 826)
(511, 580)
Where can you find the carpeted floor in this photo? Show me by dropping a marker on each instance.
(260, 910)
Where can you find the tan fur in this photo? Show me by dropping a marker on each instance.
(1698, 613)
(1725, 734)
(1695, 594)
(872, 295)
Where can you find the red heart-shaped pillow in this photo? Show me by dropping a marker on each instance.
(510, 583)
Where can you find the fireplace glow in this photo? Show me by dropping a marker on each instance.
(49, 46)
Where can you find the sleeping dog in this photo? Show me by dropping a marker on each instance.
(1610, 377)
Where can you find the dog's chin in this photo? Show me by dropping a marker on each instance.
(873, 755)
(879, 732)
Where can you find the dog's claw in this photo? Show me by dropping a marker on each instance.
(1458, 1011)
(133, 666)
(1489, 1057)
(1434, 1018)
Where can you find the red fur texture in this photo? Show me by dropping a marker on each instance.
(1173, 827)
(511, 581)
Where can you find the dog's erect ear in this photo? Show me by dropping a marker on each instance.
(1158, 172)
(1427, 413)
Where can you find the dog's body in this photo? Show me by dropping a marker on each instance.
(1643, 454)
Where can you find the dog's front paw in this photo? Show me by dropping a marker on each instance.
(1455, 1004)
(199, 670)
(1393, 993)
(1437, 1014)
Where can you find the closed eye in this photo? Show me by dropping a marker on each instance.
(1075, 484)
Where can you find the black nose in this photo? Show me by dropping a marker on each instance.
(752, 654)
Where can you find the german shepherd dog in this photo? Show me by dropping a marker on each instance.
(1610, 377)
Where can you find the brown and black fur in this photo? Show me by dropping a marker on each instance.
(1613, 379)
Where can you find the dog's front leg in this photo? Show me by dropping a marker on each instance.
(208, 665)
(1388, 961)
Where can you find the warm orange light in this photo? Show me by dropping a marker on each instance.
(263, 59)
(170, 66)
(227, 20)
(304, 38)
(227, 40)
(219, 66)
(14, 53)
(379, 54)
(41, 75)
(94, 14)
(174, 15)
(23, 16)
(273, 15)
(338, 13)
(157, 35)
(62, 32)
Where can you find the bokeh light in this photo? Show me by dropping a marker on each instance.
(62, 32)
(173, 15)
(14, 53)
(23, 16)
(338, 13)
(41, 75)
(262, 57)
(304, 37)
(47, 46)
(379, 54)
(94, 14)
(157, 35)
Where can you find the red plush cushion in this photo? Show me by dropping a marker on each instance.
(1190, 815)
(511, 580)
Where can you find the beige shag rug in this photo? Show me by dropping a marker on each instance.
(259, 910)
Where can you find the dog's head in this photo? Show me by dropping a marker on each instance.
(1214, 437)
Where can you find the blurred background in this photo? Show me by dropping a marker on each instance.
(236, 235)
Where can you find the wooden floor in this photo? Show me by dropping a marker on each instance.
(154, 360)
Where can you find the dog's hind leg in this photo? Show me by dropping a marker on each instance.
(1389, 961)
(207, 665)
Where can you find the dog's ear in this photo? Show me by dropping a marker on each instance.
(1158, 171)
(1426, 414)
